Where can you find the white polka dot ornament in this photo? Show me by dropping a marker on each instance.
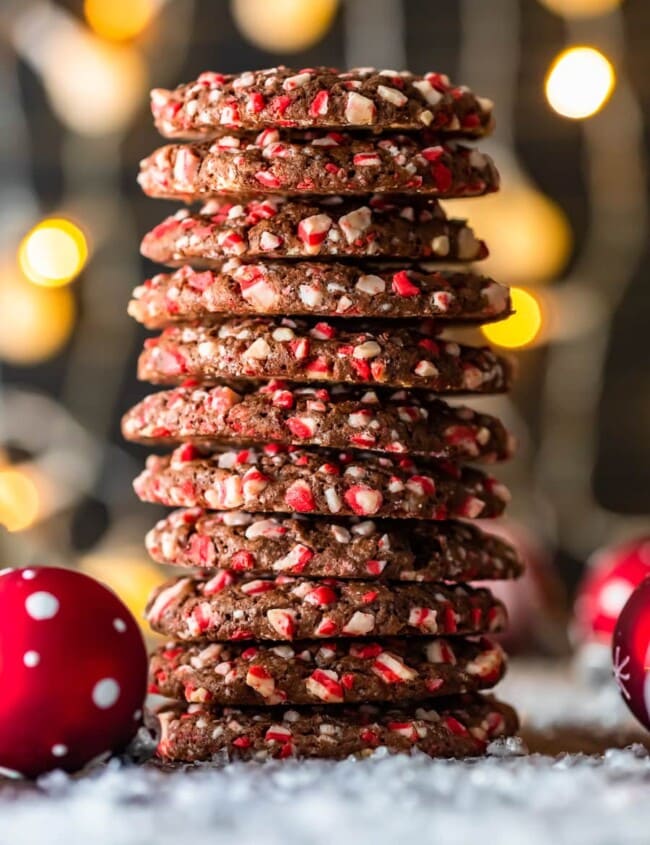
(73, 670)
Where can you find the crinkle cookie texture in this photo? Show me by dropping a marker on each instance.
(318, 164)
(234, 607)
(412, 228)
(295, 480)
(331, 672)
(372, 353)
(315, 288)
(456, 727)
(314, 547)
(326, 97)
(338, 417)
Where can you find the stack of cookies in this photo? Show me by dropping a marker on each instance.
(326, 505)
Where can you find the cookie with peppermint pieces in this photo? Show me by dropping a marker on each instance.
(336, 417)
(331, 547)
(412, 228)
(311, 288)
(317, 164)
(330, 672)
(381, 354)
(361, 98)
(231, 607)
(295, 480)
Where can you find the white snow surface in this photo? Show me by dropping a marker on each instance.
(508, 798)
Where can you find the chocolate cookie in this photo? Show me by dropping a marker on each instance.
(332, 672)
(319, 289)
(292, 480)
(456, 727)
(276, 227)
(303, 351)
(340, 417)
(230, 607)
(323, 548)
(318, 164)
(326, 97)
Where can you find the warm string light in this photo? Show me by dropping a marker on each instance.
(523, 327)
(581, 8)
(528, 234)
(580, 82)
(19, 499)
(284, 26)
(35, 321)
(95, 87)
(119, 20)
(53, 253)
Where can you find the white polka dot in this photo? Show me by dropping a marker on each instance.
(137, 715)
(6, 571)
(31, 659)
(42, 605)
(59, 750)
(29, 574)
(119, 625)
(105, 693)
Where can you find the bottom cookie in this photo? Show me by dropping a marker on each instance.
(456, 727)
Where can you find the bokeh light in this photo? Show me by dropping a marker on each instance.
(523, 327)
(119, 20)
(130, 575)
(528, 234)
(19, 499)
(35, 322)
(95, 87)
(579, 82)
(53, 253)
(284, 26)
(581, 8)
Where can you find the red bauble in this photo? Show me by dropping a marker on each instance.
(631, 652)
(73, 669)
(611, 577)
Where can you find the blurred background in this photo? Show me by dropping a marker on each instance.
(571, 81)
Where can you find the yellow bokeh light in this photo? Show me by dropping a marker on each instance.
(95, 87)
(53, 252)
(35, 322)
(581, 8)
(119, 20)
(528, 234)
(522, 328)
(284, 26)
(19, 499)
(579, 82)
(129, 575)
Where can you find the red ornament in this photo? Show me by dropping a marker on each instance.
(73, 669)
(631, 652)
(612, 576)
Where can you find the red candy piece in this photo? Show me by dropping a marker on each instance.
(631, 653)
(73, 671)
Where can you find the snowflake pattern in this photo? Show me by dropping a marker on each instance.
(621, 671)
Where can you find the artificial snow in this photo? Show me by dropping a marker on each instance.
(510, 797)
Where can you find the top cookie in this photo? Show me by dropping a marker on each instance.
(361, 98)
